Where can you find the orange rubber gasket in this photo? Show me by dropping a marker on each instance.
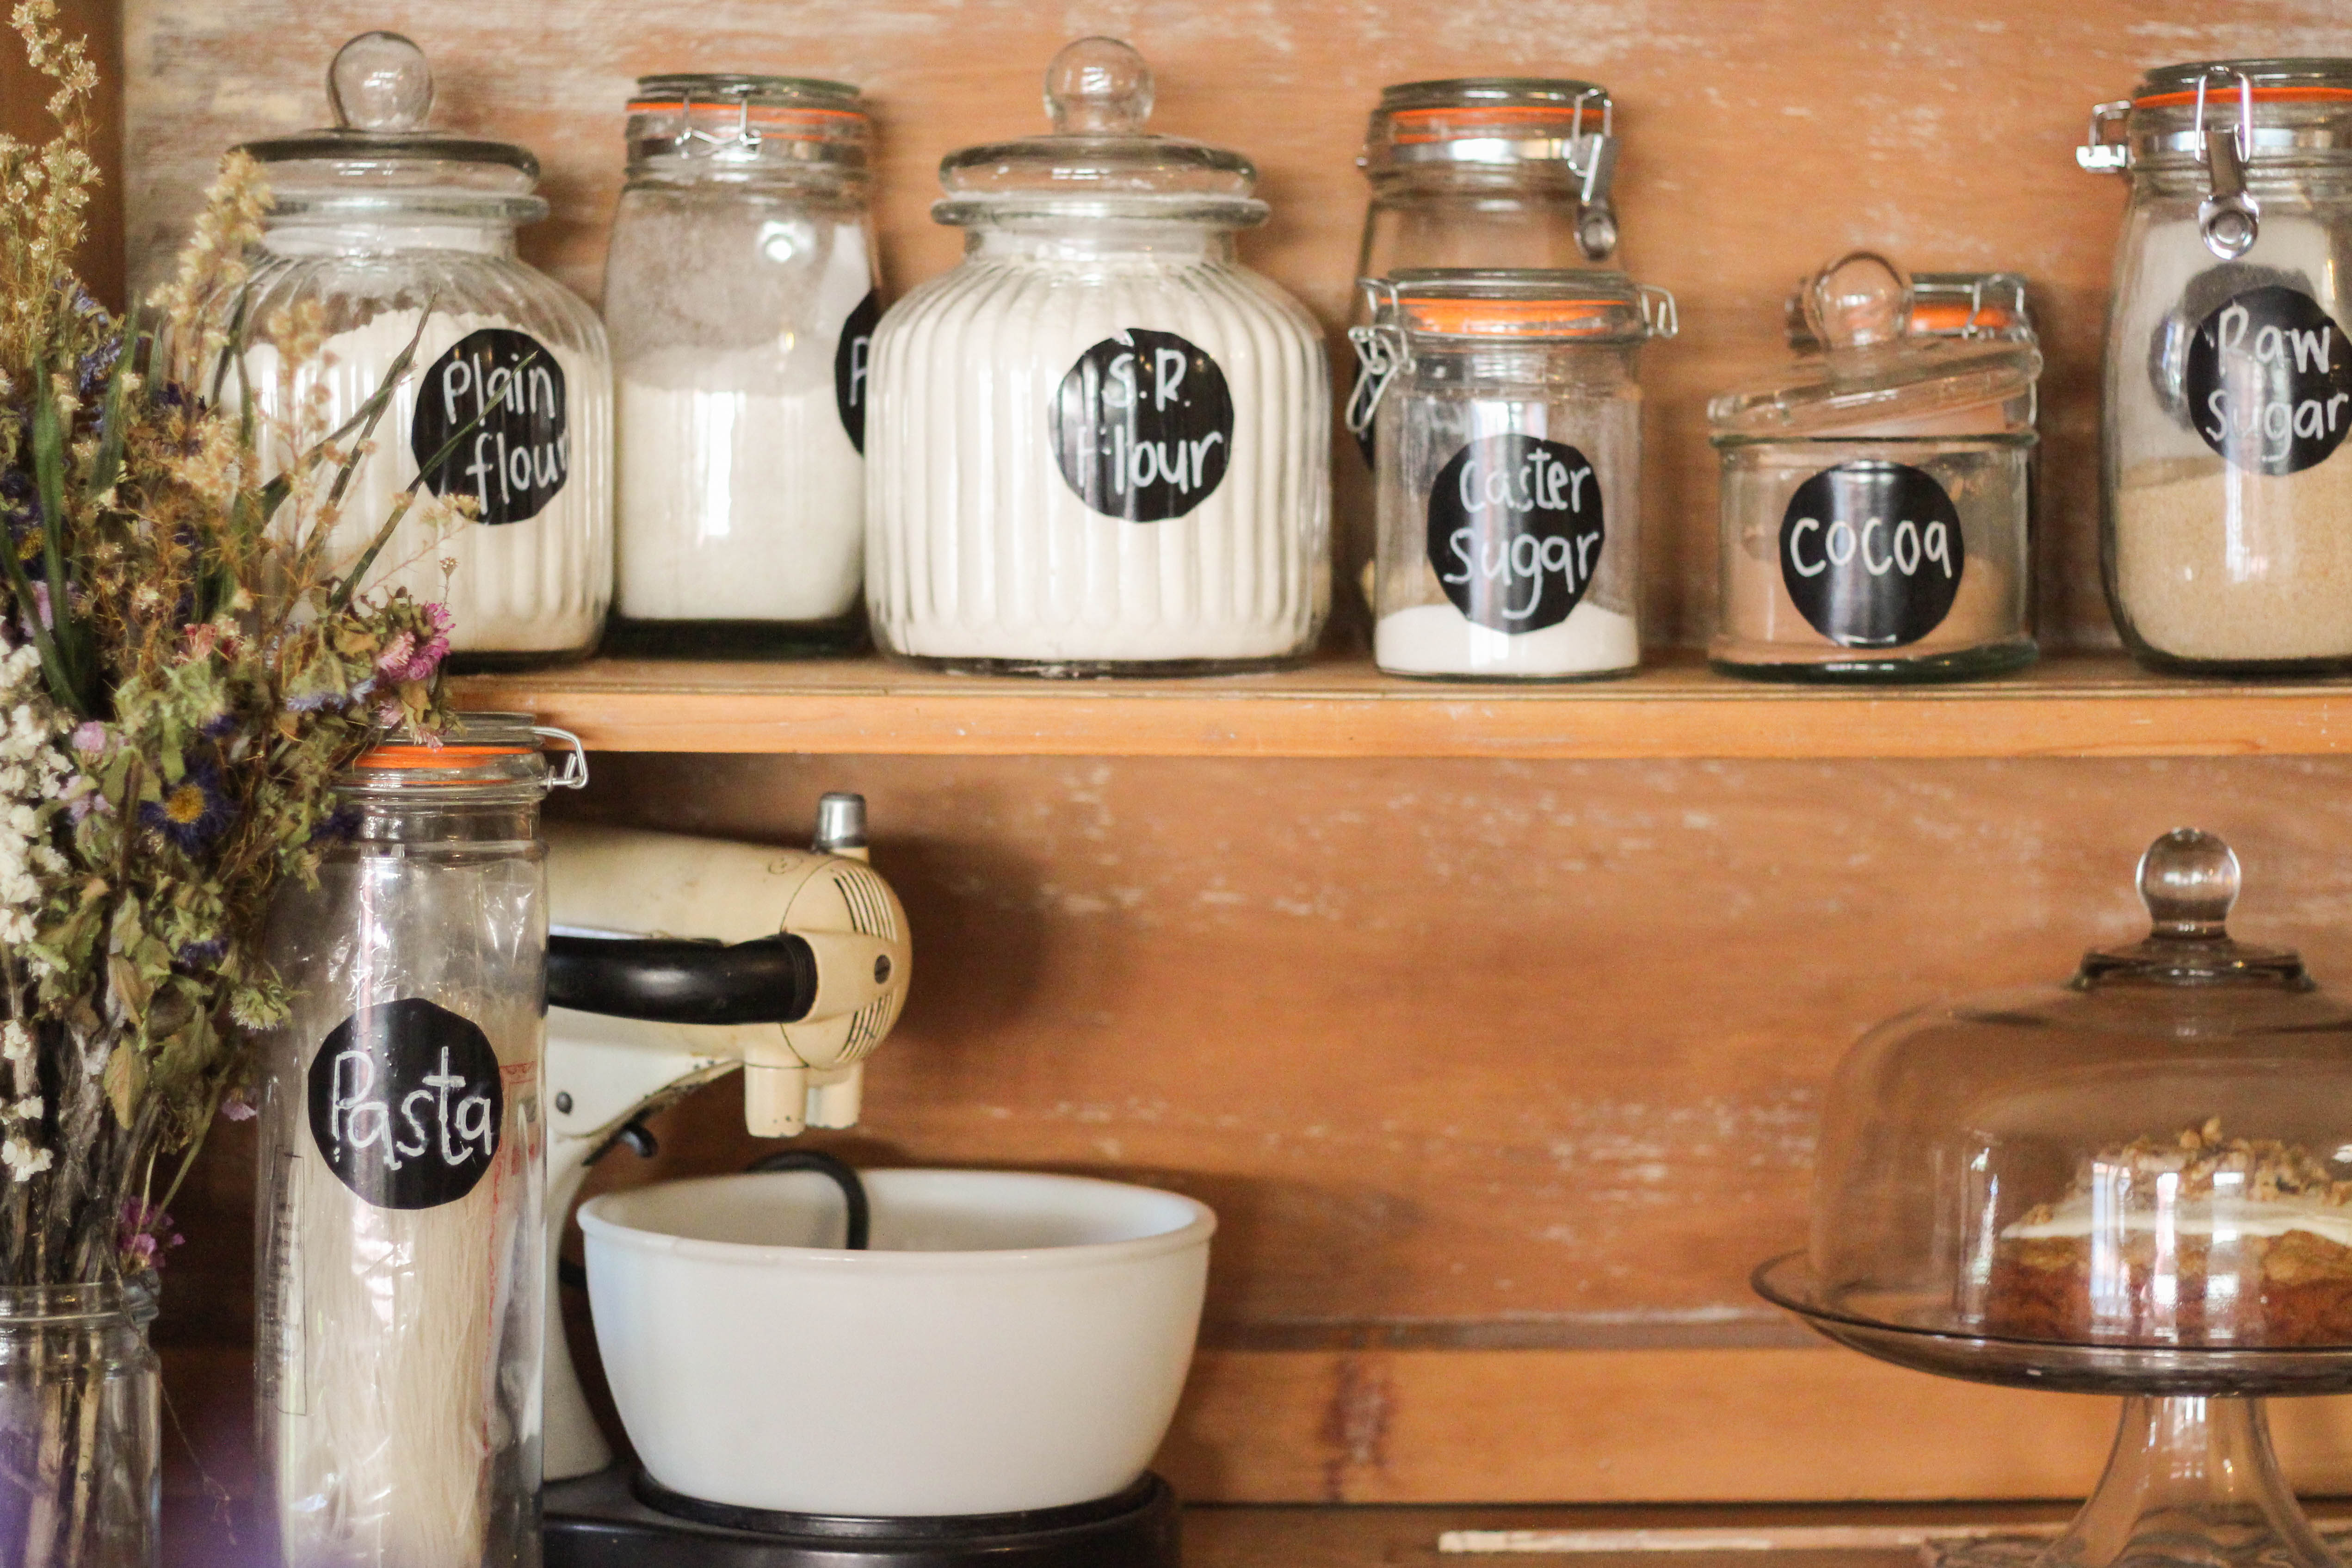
(762, 113)
(1476, 117)
(1954, 315)
(416, 756)
(1501, 317)
(2223, 94)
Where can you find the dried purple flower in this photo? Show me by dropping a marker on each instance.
(191, 812)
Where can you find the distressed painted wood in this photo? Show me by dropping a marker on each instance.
(1759, 140)
(2083, 705)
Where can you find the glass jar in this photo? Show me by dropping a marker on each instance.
(402, 236)
(740, 291)
(2229, 380)
(1876, 502)
(1478, 174)
(1509, 472)
(80, 1426)
(2136, 1182)
(1099, 446)
(401, 1167)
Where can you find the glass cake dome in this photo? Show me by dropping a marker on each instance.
(2139, 1182)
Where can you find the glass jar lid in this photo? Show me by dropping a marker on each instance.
(1875, 377)
(1099, 161)
(481, 756)
(1451, 306)
(1943, 305)
(729, 123)
(1487, 119)
(379, 154)
(2101, 1184)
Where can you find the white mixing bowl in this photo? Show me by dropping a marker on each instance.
(1009, 1341)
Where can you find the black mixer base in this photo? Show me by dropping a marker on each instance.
(606, 1520)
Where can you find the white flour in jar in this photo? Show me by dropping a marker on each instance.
(979, 548)
(538, 585)
(741, 496)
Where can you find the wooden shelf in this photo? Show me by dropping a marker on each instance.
(2078, 706)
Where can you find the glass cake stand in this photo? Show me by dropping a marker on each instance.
(2138, 1184)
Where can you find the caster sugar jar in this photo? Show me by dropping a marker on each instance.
(2226, 480)
(1099, 446)
(1876, 497)
(1508, 470)
(386, 234)
(739, 294)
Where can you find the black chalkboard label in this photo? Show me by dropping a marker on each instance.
(501, 393)
(407, 1104)
(1516, 531)
(1143, 426)
(851, 359)
(2270, 380)
(1870, 552)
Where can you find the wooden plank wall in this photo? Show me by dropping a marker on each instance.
(1500, 1075)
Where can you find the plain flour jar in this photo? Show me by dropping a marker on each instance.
(398, 235)
(1099, 446)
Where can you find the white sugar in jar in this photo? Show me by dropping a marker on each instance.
(403, 234)
(1099, 446)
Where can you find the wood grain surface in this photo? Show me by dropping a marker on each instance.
(1760, 138)
(2082, 705)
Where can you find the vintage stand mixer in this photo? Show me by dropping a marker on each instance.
(2137, 1184)
(798, 1401)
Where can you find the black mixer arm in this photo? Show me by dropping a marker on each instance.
(770, 980)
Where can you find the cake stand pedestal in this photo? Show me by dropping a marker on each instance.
(2192, 1481)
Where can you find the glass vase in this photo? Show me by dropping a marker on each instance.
(80, 1438)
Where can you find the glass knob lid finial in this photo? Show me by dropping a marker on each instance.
(1098, 87)
(380, 81)
(1859, 300)
(2189, 880)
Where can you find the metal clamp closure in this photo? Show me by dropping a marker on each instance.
(575, 761)
(1594, 160)
(744, 135)
(1659, 317)
(2098, 154)
(1381, 351)
(2229, 218)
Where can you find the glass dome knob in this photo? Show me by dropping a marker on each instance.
(380, 82)
(1098, 87)
(1858, 300)
(2189, 880)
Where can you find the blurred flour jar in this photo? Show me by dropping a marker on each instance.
(739, 292)
(1099, 446)
(403, 236)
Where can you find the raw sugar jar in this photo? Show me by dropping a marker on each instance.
(1099, 446)
(400, 235)
(1877, 498)
(740, 293)
(1508, 470)
(2229, 380)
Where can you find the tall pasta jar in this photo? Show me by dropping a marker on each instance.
(402, 1165)
(1877, 498)
(1509, 471)
(740, 290)
(2229, 378)
(1099, 446)
(403, 236)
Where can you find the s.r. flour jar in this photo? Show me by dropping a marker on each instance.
(1099, 446)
